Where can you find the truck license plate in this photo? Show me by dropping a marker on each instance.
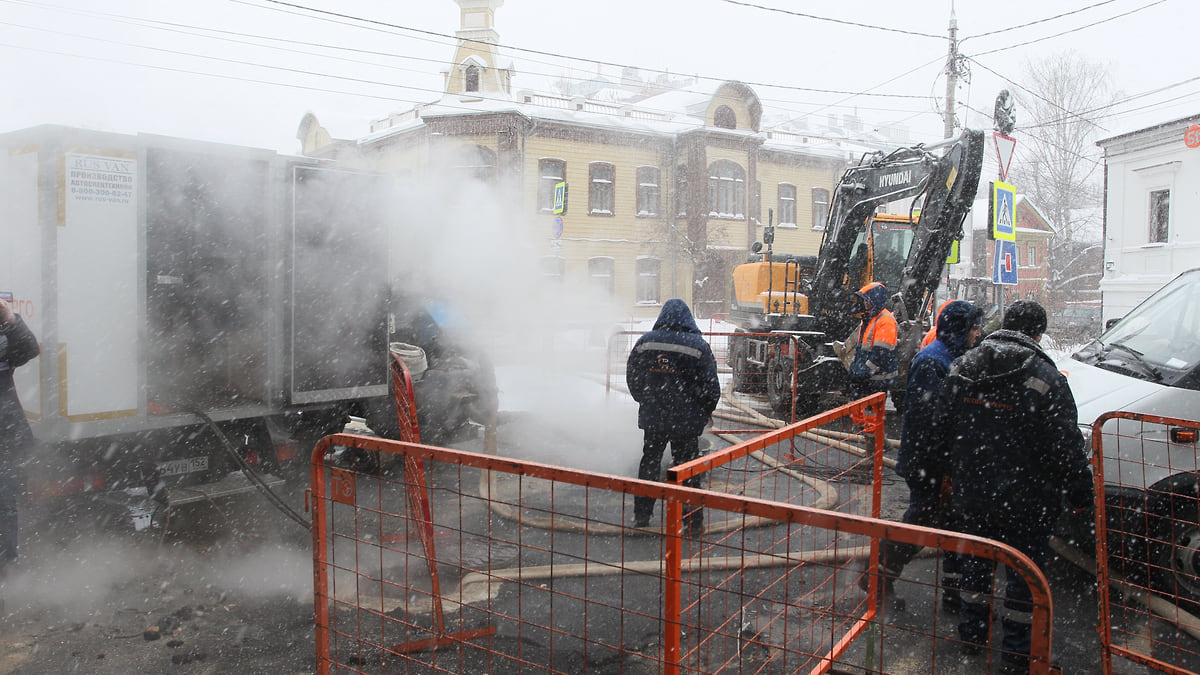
(176, 467)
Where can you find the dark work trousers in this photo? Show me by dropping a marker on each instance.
(1030, 538)
(924, 508)
(683, 449)
(10, 486)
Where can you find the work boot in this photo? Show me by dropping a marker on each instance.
(693, 524)
(641, 521)
(887, 579)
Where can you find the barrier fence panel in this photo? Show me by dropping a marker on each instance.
(1148, 539)
(539, 569)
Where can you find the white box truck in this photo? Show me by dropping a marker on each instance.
(190, 299)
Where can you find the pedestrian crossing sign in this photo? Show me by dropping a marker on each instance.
(1003, 211)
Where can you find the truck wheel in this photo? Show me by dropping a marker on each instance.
(1175, 563)
(779, 383)
(739, 361)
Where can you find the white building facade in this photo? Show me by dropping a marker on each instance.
(1151, 211)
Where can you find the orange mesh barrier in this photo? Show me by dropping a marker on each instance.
(1148, 539)
(541, 570)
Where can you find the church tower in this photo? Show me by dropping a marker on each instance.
(476, 68)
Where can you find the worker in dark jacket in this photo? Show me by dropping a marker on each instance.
(672, 374)
(875, 365)
(17, 347)
(924, 460)
(1016, 454)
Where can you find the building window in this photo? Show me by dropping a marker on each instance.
(477, 162)
(1031, 259)
(681, 191)
(1160, 212)
(600, 274)
(820, 208)
(600, 196)
(472, 78)
(787, 204)
(552, 268)
(724, 118)
(647, 280)
(550, 172)
(726, 190)
(647, 191)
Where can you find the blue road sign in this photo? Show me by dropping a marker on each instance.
(1004, 265)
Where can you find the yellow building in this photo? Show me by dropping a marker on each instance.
(667, 188)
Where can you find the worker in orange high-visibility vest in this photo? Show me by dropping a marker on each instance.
(875, 365)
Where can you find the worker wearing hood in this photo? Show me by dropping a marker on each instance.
(672, 375)
(875, 365)
(1016, 452)
(924, 460)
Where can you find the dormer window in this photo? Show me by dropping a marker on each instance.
(725, 118)
(471, 78)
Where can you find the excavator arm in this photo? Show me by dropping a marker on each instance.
(947, 184)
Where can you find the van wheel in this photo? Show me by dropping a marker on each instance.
(1175, 548)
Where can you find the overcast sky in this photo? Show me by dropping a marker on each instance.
(246, 71)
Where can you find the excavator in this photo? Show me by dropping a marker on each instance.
(796, 310)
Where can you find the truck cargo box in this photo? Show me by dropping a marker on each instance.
(172, 283)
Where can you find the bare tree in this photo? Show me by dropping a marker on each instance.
(1064, 100)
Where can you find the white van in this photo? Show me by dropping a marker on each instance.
(1149, 362)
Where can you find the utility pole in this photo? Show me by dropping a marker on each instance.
(951, 73)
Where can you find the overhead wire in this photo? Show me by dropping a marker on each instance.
(1036, 21)
(175, 27)
(1073, 30)
(844, 22)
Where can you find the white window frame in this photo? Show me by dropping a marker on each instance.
(603, 279)
(546, 182)
(820, 208)
(726, 184)
(649, 193)
(785, 203)
(601, 189)
(649, 281)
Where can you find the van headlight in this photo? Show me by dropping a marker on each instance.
(1086, 430)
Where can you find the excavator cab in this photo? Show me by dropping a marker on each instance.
(880, 251)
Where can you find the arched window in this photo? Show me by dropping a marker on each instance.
(787, 205)
(647, 191)
(550, 173)
(820, 208)
(602, 176)
(724, 118)
(648, 286)
(471, 78)
(477, 162)
(600, 274)
(726, 190)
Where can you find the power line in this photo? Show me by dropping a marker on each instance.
(1036, 22)
(565, 56)
(1073, 30)
(832, 20)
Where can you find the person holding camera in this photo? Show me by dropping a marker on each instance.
(18, 346)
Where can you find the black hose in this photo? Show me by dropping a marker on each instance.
(251, 474)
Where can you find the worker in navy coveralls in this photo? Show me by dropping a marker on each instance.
(672, 374)
(1016, 455)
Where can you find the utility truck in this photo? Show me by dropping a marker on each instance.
(206, 312)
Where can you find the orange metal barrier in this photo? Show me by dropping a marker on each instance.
(541, 571)
(1147, 476)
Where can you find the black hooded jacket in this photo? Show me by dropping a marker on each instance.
(671, 372)
(18, 347)
(1016, 449)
